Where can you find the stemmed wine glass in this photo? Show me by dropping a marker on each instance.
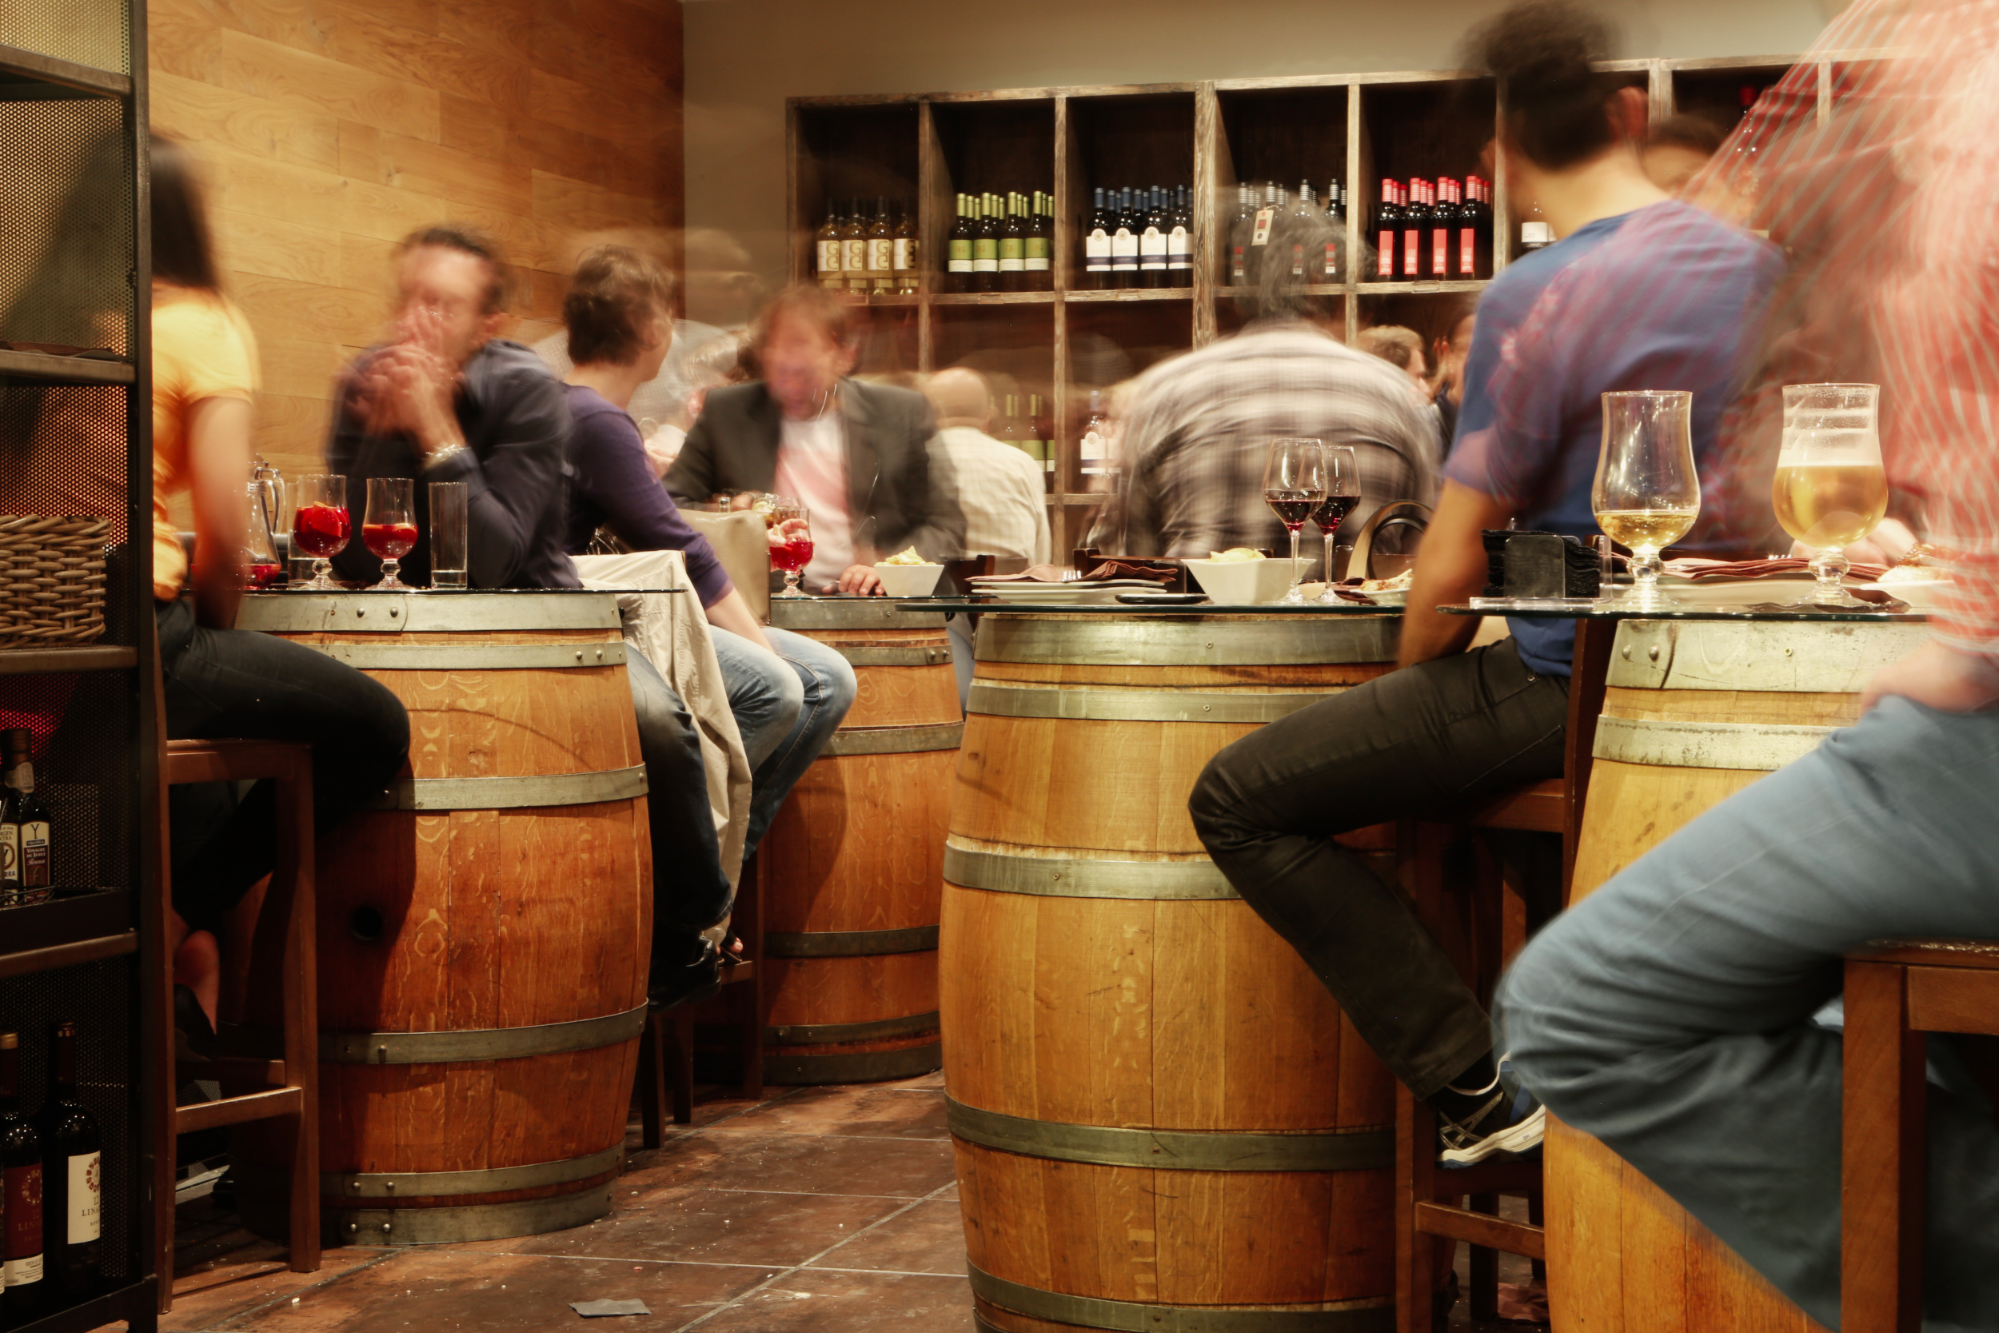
(320, 525)
(1830, 490)
(388, 528)
(1646, 494)
(1342, 494)
(1294, 485)
(788, 526)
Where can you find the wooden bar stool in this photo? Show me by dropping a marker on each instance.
(1895, 993)
(283, 1090)
(1427, 1195)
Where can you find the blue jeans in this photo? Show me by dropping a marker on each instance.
(1670, 1013)
(690, 887)
(785, 706)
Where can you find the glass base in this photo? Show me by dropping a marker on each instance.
(390, 583)
(321, 580)
(791, 589)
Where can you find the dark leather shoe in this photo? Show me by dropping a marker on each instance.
(684, 982)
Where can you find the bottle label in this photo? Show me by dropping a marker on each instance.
(1012, 255)
(985, 255)
(1264, 217)
(1467, 252)
(1440, 253)
(86, 1197)
(881, 255)
(35, 855)
(1387, 249)
(1411, 252)
(1180, 247)
(1152, 249)
(24, 1224)
(829, 256)
(10, 853)
(1091, 447)
(1332, 269)
(1124, 247)
(905, 254)
(854, 256)
(1036, 254)
(1238, 270)
(1097, 245)
(960, 260)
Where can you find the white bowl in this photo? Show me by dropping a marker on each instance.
(909, 580)
(1247, 582)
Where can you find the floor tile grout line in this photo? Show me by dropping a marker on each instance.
(285, 1298)
(730, 1305)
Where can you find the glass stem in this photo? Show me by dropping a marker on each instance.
(1294, 557)
(1328, 570)
(1831, 567)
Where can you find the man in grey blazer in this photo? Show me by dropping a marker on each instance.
(859, 456)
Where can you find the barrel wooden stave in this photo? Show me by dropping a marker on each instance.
(1165, 1014)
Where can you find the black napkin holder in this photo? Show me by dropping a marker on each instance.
(1539, 566)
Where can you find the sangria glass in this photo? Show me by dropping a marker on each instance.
(388, 528)
(321, 526)
(789, 529)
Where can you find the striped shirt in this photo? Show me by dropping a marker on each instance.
(1200, 427)
(1002, 492)
(1887, 213)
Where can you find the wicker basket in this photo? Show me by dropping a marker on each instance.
(51, 580)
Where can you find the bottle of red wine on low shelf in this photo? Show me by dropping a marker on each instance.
(72, 1177)
(21, 1211)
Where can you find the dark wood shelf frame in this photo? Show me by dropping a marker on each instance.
(65, 369)
(65, 661)
(19, 65)
(79, 928)
(134, 1301)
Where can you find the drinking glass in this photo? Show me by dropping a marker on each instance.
(1342, 494)
(1830, 490)
(261, 566)
(789, 531)
(1294, 485)
(388, 528)
(1646, 494)
(447, 535)
(321, 526)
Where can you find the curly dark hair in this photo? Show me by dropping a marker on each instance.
(1555, 103)
(614, 291)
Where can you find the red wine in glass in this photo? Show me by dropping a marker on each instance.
(1332, 512)
(263, 576)
(1291, 507)
(792, 556)
(321, 530)
(389, 541)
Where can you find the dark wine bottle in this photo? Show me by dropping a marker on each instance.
(1180, 241)
(985, 245)
(1041, 244)
(21, 1167)
(1387, 225)
(1124, 241)
(1152, 237)
(1097, 247)
(1443, 224)
(1240, 227)
(72, 1177)
(1415, 224)
(1012, 245)
(27, 817)
(958, 249)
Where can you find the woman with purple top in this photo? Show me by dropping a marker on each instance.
(787, 692)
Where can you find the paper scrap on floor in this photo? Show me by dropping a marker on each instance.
(601, 1309)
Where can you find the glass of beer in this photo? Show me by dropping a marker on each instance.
(1830, 490)
(1646, 494)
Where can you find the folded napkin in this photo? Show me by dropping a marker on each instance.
(1695, 568)
(1114, 567)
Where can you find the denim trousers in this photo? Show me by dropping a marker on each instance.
(786, 706)
(1670, 1013)
(1406, 743)
(224, 683)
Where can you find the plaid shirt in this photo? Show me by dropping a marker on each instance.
(1002, 492)
(1200, 426)
(1887, 214)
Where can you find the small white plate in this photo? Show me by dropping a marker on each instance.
(1920, 594)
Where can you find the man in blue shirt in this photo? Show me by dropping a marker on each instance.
(1640, 293)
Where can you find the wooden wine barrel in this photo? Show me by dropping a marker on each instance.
(1160, 1118)
(853, 862)
(483, 931)
(1694, 712)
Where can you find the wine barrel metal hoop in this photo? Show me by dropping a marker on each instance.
(895, 740)
(891, 655)
(488, 1221)
(1171, 1150)
(802, 1034)
(848, 943)
(854, 1066)
(394, 656)
(1135, 705)
(537, 790)
(849, 613)
(1786, 658)
(1075, 877)
(421, 612)
(1317, 640)
(1734, 745)
(1139, 1317)
(439, 1184)
(424, 1048)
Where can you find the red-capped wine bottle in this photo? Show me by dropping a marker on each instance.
(21, 1167)
(1443, 221)
(1387, 225)
(72, 1177)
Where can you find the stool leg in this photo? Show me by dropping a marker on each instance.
(652, 1081)
(1415, 1253)
(1484, 1264)
(1882, 1155)
(301, 1000)
(683, 1065)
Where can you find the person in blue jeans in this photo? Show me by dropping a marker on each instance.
(788, 693)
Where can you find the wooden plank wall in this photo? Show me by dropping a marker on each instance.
(331, 128)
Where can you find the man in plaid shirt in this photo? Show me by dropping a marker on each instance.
(1671, 1013)
(1200, 425)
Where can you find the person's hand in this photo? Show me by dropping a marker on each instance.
(860, 581)
(416, 387)
(1888, 543)
(1937, 677)
(660, 453)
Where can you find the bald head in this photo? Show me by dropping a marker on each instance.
(960, 397)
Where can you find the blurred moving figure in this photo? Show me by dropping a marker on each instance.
(1000, 488)
(220, 681)
(1671, 1013)
(1451, 352)
(1638, 292)
(1401, 348)
(1676, 148)
(858, 456)
(788, 693)
(1200, 425)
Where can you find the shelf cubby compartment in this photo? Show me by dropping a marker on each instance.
(1423, 127)
(1011, 346)
(1291, 134)
(866, 149)
(1723, 91)
(1114, 138)
(977, 145)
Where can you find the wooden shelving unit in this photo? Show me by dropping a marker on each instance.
(73, 107)
(1063, 343)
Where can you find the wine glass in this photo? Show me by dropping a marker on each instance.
(1342, 494)
(1294, 484)
(388, 528)
(1830, 490)
(1646, 494)
(320, 525)
(261, 566)
(789, 531)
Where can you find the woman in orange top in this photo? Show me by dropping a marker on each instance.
(220, 681)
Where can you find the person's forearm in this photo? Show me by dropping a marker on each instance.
(732, 613)
(1427, 633)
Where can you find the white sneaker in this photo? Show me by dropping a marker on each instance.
(1522, 1136)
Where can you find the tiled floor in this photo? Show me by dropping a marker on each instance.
(831, 1210)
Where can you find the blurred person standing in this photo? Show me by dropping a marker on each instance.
(788, 693)
(1200, 425)
(1451, 351)
(1000, 489)
(859, 456)
(1639, 292)
(1676, 148)
(1676, 1012)
(220, 681)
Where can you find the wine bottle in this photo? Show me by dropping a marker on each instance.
(958, 249)
(1333, 263)
(854, 248)
(1304, 268)
(1093, 443)
(1443, 222)
(1124, 242)
(1097, 247)
(1180, 240)
(30, 821)
(908, 269)
(21, 1165)
(1033, 439)
(881, 251)
(1415, 221)
(1259, 235)
(72, 1177)
(1008, 430)
(1240, 228)
(1040, 246)
(985, 247)
(828, 252)
(1152, 239)
(1387, 223)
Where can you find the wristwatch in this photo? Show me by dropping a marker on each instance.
(435, 459)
